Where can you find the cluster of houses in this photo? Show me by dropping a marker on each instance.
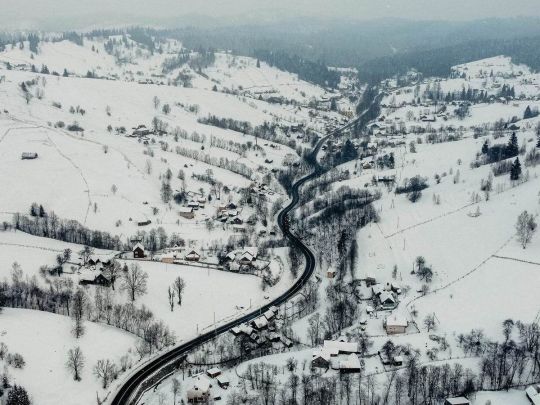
(339, 355)
(229, 213)
(244, 260)
(94, 272)
(142, 132)
(201, 390)
(263, 332)
(175, 254)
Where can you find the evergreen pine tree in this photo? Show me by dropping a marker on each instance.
(18, 396)
(512, 149)
(515, 171)
(528, 113)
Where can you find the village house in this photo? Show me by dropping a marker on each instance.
(186, 212)
(395, 324)
(138, 251)
(321, 359)
(260, 323)
(192, 256)
(331, 273)
(387, 300)
(92, 277)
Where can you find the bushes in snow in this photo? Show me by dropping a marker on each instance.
(413, 188)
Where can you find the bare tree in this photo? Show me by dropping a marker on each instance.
(78, 306)
(134, 281)
(105, 370)
(85, 253)
(429, 322)
(75, 362)
(171, 298)
(113, 272)
(156, 102)
(525, 227)
(179, 285)
(175, 389)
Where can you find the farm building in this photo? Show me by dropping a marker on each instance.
(223, 382)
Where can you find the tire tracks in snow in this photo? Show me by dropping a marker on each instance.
(32, 126)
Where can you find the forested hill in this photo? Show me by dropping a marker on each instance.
(438, 62)
(307, 70)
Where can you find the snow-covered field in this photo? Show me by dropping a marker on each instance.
(44, 339)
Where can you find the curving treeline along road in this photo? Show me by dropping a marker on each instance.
(127, 394)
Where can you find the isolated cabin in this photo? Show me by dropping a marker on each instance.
(29, 155)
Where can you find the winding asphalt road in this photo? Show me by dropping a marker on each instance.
(127, 394)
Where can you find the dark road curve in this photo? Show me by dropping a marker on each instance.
(125, 394)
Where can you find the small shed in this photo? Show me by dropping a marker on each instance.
(29, 155)
(457, 401)
(331, 272)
